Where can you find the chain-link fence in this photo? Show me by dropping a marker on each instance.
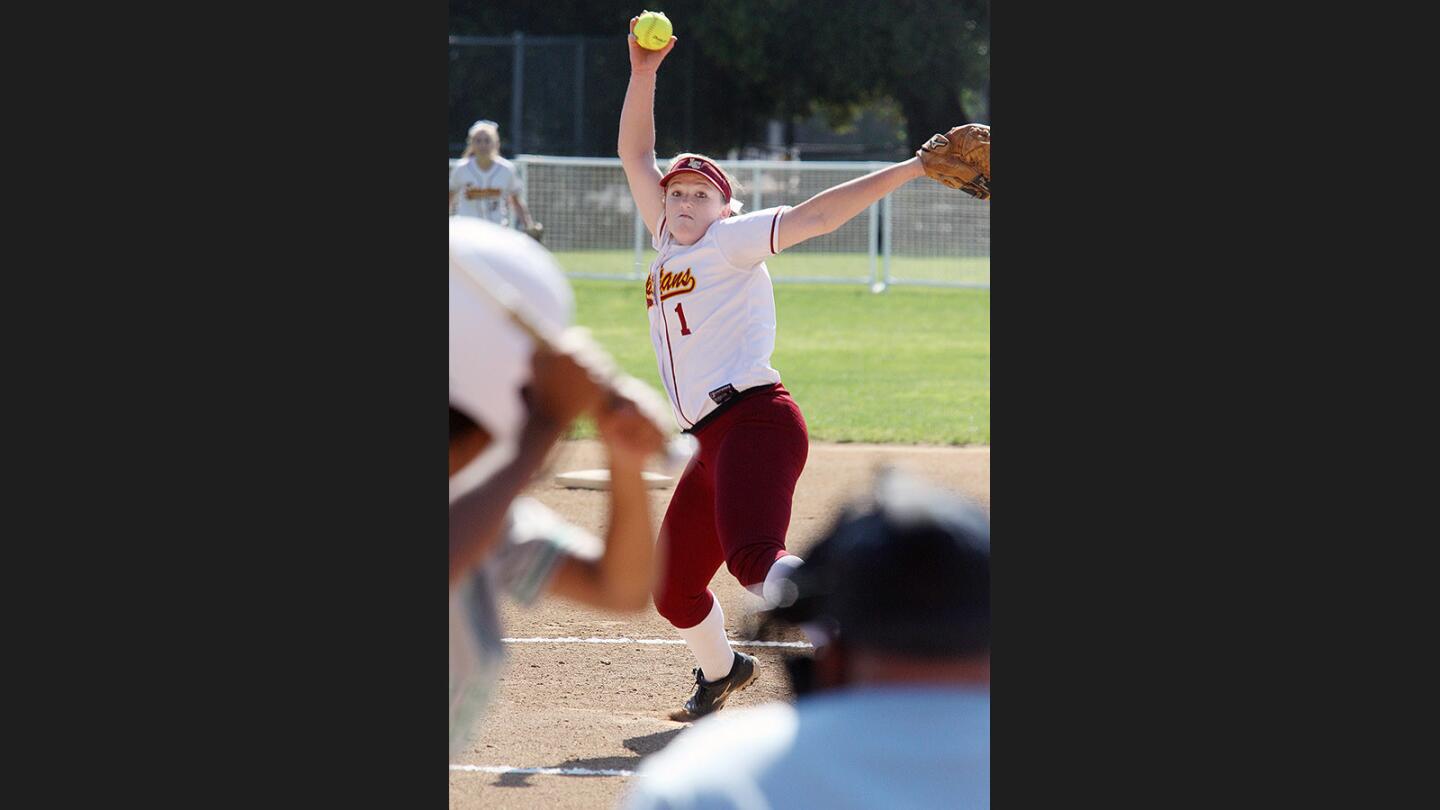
(922, 234)
(552, 95)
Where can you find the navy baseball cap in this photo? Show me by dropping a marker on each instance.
(907, 572)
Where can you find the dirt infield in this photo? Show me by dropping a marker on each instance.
(600, 707)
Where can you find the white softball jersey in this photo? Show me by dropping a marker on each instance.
(485, 193)
(712, 312)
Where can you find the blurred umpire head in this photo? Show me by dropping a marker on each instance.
(897, 592)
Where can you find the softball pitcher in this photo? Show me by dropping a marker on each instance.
(712, 323)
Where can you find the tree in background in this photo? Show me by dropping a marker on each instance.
(745, 61)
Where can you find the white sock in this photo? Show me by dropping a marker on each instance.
(752, 602)
(775, 590)
(710, 646)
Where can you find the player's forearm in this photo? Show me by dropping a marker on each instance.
(625, 569)
(836, 206)
(522, 211)
(637, 120)
(476, 518)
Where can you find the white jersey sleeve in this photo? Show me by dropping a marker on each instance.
(535, 541)
(749, 239)
(457, 177)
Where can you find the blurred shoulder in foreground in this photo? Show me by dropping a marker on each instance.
(893, 710)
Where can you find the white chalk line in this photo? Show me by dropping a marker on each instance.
(542, 771)
(504, 769)
(622, 640)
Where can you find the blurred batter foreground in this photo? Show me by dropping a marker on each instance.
(510, 401)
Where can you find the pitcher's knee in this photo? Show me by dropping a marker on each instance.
(750, 564)
(683, 610)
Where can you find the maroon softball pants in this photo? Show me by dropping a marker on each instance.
(732, 504)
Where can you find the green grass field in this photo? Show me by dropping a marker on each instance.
(909, 366)
(966, 270)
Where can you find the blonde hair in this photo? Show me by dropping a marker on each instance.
(735, 187)
(492, 128)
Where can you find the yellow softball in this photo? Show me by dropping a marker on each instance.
(653, 30)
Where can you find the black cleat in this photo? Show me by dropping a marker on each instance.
(711, 697)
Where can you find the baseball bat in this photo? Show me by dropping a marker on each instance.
(678, 448)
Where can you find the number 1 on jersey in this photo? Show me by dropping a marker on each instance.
(680, 310)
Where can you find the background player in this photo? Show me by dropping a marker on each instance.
(712, 324)
(486, 185)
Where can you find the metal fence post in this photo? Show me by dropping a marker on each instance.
(517, 95)
(888, 237)
(579, 95)
(874, 238)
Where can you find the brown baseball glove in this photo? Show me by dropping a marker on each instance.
(960, 159)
